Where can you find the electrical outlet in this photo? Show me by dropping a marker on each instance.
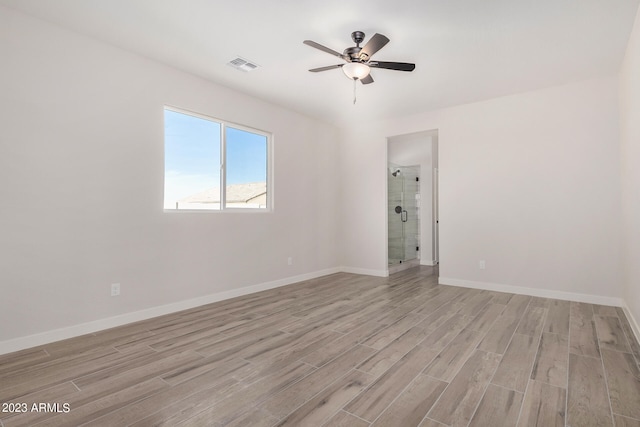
(290, 261)
(115, 289)
(482, 264)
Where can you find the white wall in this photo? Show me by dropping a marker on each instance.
(529, 183)
(81, 187)
(630, 155)
(362, 159)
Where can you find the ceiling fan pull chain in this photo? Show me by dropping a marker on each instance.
(354, 91)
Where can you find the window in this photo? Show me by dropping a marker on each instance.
(213, 165)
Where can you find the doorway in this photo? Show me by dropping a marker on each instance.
(412, 200)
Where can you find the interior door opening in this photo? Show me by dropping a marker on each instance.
(412, 200)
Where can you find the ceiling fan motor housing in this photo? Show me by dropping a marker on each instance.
(353, 52)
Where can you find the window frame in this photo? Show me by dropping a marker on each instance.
(224, 124)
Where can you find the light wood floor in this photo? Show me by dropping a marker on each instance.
(343, 350)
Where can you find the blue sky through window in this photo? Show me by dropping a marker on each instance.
(192, 156)
(246, 156)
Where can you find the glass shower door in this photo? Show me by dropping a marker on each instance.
(395, 226)
(403, 207)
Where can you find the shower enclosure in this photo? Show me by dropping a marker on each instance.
(403, 213)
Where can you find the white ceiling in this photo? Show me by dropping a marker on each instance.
(464, 50)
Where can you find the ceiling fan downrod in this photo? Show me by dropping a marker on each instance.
(357, 37)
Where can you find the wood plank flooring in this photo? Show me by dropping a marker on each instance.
(341, 350)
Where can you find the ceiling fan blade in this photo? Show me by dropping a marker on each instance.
(329, 67)
(323, 48)
(399, 66)
(377, 42)
(367, 80)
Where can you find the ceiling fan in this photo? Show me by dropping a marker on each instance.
(358, 59)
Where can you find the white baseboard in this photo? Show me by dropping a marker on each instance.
(46, 337)
(430, 263)
(635, 327)
(29, 341)
(545, 293)
(365, 272)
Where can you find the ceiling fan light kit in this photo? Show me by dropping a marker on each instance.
(356, 70)
(358, 59)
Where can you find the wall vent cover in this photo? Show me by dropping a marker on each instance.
(242, 64)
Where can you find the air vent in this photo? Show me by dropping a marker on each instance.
(242, 64)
